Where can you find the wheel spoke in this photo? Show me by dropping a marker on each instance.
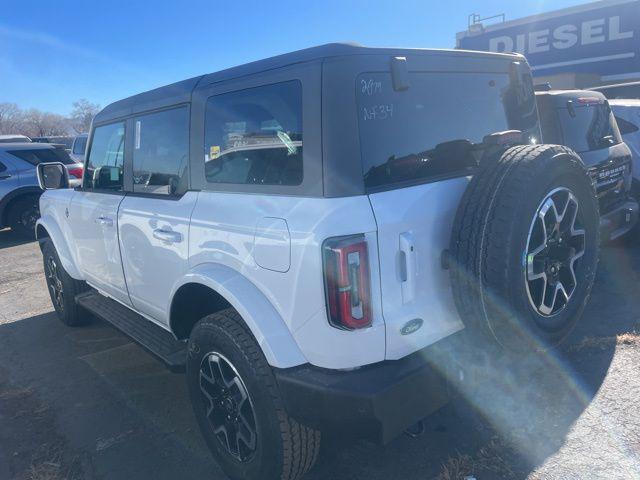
(555, 245)
(230, 411)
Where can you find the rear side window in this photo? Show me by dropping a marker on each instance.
(430, 129)
(161, 151)
(254, 136)
(79, 145)
(626, 127)
(36, 156)
(103, 167)
(588, 127)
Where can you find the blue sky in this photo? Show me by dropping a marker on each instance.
(52, 53)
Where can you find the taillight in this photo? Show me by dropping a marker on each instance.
(76, 172)
(590, 100)
(347, 282)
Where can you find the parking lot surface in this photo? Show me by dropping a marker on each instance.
(86, 403)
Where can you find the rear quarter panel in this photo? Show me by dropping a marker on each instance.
(225, 229)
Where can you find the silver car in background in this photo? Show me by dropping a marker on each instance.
(19, 190)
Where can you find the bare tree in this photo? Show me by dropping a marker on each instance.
(44, 124)
(11, 118)
(82, 115)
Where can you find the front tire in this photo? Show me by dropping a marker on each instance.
(515, 279)
(23, 215)
(62, 288)
(238, 407)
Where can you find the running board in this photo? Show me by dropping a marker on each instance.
(147, 334)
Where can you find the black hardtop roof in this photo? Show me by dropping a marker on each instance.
(560, 97)
(181, 91)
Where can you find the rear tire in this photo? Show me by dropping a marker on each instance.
(22, 216)
(63, 288)
(507, 262)
(221, 348)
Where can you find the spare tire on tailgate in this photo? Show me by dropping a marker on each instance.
(524, 247)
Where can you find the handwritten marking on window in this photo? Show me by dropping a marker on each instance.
(378, 112)
(370, 86)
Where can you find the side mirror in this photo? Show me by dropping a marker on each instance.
(52, 176)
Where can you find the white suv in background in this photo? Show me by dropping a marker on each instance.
(306, 235)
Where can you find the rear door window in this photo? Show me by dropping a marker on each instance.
(254, 136)
(626, 127)
(44, 155)
(161, 151)
(588, 127)
(104, 165)
(430, 130)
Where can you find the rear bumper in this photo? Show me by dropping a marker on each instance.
(377, 402)
(620, 220)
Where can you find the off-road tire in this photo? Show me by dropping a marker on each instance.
(22, 215)
(489, 239)
(68, 311)
(285, 449)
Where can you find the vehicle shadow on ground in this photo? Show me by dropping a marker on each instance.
(9, 239)
(513, 412)
(113, 405)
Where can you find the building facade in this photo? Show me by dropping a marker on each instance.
(589, 45)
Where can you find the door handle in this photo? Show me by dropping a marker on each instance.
(107, 222)
(408, 266)
(4, 176)
(167, 235)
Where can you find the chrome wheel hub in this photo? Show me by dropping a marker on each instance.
(228, 406)
(55, 284)
(555, 245)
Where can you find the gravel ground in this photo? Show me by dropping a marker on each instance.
(87, 403)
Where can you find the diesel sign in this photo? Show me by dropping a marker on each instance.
(562, 37)
(596, 38)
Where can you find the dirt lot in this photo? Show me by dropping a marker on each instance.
(87, 403)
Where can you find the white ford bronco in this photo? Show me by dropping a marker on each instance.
(301, 233)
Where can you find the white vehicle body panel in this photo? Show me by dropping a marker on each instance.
(53, 207)
(414, 229)
(154, 241)
(94, 236)
(266, 324)
(225, 229)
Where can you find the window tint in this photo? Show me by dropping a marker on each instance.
(79, 145)
(588, 127)
(254, 136)
(430, 129)
(161, 151)
(103, 168)
(36, 156)
(625, 126)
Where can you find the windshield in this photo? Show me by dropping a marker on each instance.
(430, 129)
(43, 155)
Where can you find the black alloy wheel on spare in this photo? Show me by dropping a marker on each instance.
(525, 246)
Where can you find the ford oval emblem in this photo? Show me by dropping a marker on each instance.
(411, 326)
